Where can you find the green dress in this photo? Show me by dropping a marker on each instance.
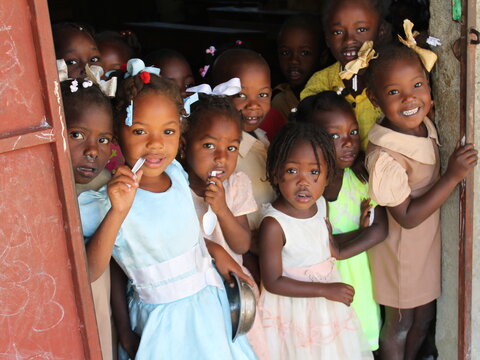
(344, 215)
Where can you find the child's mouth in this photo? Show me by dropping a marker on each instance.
(410, 112)
(350, 54)
(154, 162)
(303, 197)
(252, 119)
(87, 171)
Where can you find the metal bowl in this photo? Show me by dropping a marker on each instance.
(242, 306)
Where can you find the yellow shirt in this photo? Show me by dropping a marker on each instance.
(328, 79)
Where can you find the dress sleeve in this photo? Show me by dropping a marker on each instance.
(93, 205)
(388, 181)
(316, 84)
(241, 200)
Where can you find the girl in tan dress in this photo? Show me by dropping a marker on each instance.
(404, 167)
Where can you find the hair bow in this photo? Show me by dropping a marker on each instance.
(94, 74)
(365, 54)
(62, 70)
(229, 88)
(211, 50)
(136, 66)
(427, 57)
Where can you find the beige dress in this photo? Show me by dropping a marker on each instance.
(406, 266)
(101, 286)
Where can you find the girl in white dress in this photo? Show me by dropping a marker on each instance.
(305, 308)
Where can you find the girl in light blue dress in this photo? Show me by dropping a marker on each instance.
(147, 221)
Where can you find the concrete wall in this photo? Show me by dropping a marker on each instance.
(446, 82)
(446, 78)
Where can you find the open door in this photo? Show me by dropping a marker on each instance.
(46, 309)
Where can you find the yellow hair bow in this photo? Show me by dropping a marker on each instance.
(365, 54)
(428, 57)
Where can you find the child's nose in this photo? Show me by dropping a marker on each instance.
(294, 57)
(252, 103)
(350, 37)
(155, 142)
(220, 155)
(91, 152)
(303, 179)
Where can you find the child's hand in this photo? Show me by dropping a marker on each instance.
(215, 195)
(339, 292)
(123, 187)
(461, 162)
(334, 248)
(365, 208)
(130, 342)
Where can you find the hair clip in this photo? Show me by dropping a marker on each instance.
(211, 50)
(74, 86)
(129, 118)
(203, 70)
(239, 42)
(87, 83)
(339, 91)
(293, 110)
(145, 76)
(433, 41)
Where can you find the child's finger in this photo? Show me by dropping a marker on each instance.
(244, 277)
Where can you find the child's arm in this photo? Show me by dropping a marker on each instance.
(118, 299)
(358, 241)
(412, 212)
(235, 229)
(121, 191)
(271, 244)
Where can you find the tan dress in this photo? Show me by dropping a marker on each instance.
(406, 266)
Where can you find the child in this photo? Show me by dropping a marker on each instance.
(76, 46)
(253, 103)
(174, 66)
(347, 25)
(89, 119)
(210, 144)
(299, 46)
(349, 203)
(404, 166)
(177, 303)
(116, 48)
(304, 305)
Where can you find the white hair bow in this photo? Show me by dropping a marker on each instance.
(62, 70)
(94, 74)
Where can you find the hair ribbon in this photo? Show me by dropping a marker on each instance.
(136, 66)
(94, 74)
(62, 70)
(365, 54)
(427, 57)
(228, 88)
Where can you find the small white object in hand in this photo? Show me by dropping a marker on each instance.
(138, 165)
(433, 41)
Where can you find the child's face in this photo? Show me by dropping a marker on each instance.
(302, 181)
(349, 26)
(403, 94)
(253, 101)
(113, 56)
(154, 134)
(78, 49)
(179, 71)
(213, 146)
(343, 128)
(89, 138)
(298, 55)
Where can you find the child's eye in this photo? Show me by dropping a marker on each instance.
(354, 132)
(77, 135)
(335, 136)
(305, 52)
(284, 52)
(418, 84)
(264, 95)
(393, 92)
(241, 95)
(232, 148)
(169, 132)
(71, 62)
(337, 32)
(315, 172)
(189, 85)
(362, 29)
(139, 131)
(95, 59)
(104, 140)
(291, 171)
(209, 146)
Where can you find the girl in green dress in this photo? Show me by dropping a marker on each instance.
(357, 224)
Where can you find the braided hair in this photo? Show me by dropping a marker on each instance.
(206, 106)
(290, 135)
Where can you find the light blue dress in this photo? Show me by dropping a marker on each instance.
(178, 304)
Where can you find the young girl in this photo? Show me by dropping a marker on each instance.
(403, 162)
(305, 306)
(116, 48)
(211, 144)
(89, 119)
(177, 305)
(76, 46)
(349, 204)
(347, 25)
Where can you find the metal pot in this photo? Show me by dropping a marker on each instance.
(242, 306)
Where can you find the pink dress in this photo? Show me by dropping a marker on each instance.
(240, 201)
(309, 328)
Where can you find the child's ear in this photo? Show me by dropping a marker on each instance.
(182, 146)
(383, 28)
(371, 97)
